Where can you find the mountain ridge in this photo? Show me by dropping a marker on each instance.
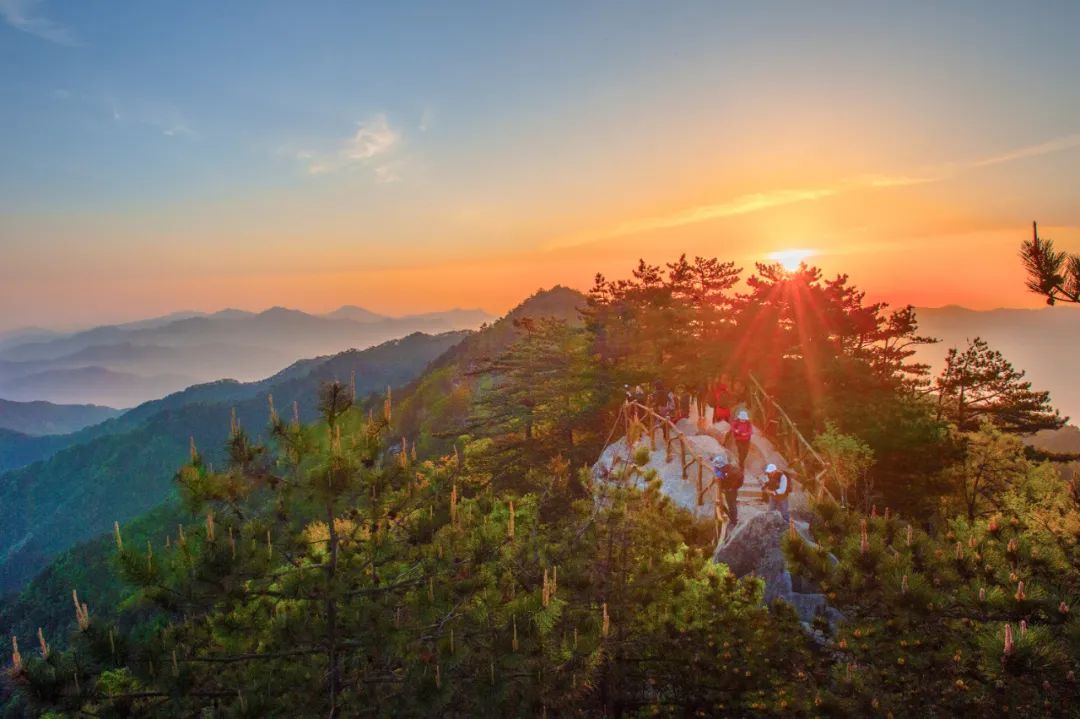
(38, 418)
(162, 355)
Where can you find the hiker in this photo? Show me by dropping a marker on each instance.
(742, 430)
(729, 478)
(701, 398)
(739, 393)
(663, 403)
(720, 398)
(683, 398)
(658, 398)
(777, 488)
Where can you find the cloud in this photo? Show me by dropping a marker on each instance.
(178, 129)
(758, 201)
(22, 15)
(741, 205)
(427, 117)
(386, 173)
(1059, 144)
(375, 138)
(160, 117)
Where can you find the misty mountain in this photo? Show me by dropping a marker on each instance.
(211, 360)
(354, 313)
(266, 329)
(26, 334)
(125, 466)
(18, 450)
(42, 418)
(1039, 341)
(1059, 441)
(123, 365)
(91, 385)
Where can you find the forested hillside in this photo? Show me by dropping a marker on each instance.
(124, 466)
(450, 550)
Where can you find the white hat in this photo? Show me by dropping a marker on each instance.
(720, 460)
(769, 469)
(743, 414)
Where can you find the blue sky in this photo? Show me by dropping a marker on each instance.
(147, 146)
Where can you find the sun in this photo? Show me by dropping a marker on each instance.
(791, 259)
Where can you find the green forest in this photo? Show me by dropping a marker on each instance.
(439, 541)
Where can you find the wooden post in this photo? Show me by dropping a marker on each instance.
(682, 455)
(700, 489)
(652, 431)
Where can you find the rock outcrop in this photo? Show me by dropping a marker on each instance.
(754, 548)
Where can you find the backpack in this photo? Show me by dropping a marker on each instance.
(731, 478)
(774, 484)
(742, 430)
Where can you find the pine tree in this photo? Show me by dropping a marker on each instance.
(972, 620)
(544, 396)
(978, 384)
(1051, 273)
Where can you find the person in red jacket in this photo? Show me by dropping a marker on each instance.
(742, 430)
(720, 399)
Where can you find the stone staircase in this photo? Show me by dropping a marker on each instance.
(753, 546)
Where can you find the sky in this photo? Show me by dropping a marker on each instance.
(160, 156)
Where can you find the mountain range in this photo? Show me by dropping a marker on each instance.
(127, 364)
(123, 467)
(63, 508)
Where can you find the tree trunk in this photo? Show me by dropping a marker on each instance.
(333, 670)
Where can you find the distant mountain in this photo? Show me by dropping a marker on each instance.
(1042, 342)
(125, 466)
(144, 360)
(455, 317)
(354, 313)
(41, 418)
(18, 449)
(26, 334)
(91, 385)
(242, 362)
(1059, 441)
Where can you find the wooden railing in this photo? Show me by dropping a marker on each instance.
(806, 464)
(641, 420)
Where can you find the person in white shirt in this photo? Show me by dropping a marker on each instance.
(777, 489)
